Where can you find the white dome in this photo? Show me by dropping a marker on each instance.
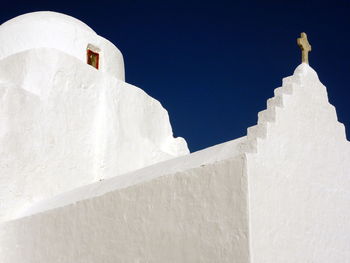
(48, 17)
(60, 32)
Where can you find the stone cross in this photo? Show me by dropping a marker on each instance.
(305, 47)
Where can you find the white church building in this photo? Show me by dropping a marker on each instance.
(90, 171)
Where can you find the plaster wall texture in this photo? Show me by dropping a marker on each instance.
(64, 124)
(279, 194)
(299, 177)
(62, 32)
(177, 165)
(194, 215)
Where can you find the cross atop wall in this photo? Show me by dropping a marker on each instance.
(305, 47)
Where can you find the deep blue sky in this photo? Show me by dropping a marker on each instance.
(214, 64)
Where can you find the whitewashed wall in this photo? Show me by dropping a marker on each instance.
(193, 215)
(299, 179)
(64, 124)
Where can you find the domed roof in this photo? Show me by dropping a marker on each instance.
(48, 17)
(51, 30)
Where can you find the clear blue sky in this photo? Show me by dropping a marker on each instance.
(214, 64)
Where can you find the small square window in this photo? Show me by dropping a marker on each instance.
(93, 58)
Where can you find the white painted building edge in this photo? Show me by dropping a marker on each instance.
(201, 158)
(66, 124)
(296, 159)
(299, 176)
(194, 215)
(204, 157)
(62, 32)
(299, 110)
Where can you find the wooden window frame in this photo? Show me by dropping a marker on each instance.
(90, 53)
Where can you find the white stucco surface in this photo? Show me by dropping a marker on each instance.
(195, 211)
(58, 31)
(299, 177)
(202, 158)
(64, 124)
(90, 171)
(280, 194)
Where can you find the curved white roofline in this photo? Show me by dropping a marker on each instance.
(61, 32)
(48, 15)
